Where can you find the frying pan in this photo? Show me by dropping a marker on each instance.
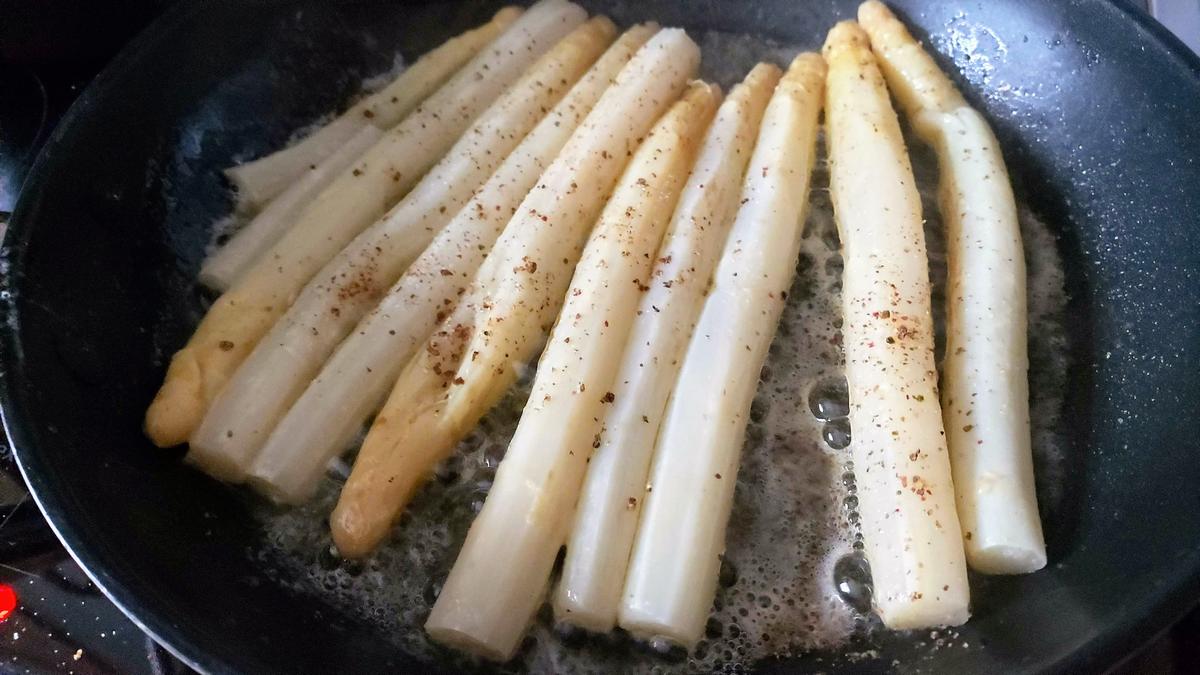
(1098, 110)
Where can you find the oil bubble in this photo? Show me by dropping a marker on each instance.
(829, 399)
(852, 577)
(837, 433)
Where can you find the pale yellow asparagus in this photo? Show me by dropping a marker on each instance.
(356, 379)
(673, 568)
(512, 301)
(912, 76)
(223, 268)
(291, 354)
(259, 182)
(244, 313)
(610, 502)
(499, 579)
(984, 387)
(906, 496)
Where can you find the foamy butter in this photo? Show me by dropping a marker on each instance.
(794, 579)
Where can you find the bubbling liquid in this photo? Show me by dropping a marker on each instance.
(793, 576)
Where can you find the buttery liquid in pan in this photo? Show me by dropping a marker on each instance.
(793, 579)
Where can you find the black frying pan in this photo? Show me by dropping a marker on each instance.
(1103, 141)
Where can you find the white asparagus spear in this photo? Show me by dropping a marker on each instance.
(606, 517)
(222, 269)
(499, 579)
(356, 380)
(244, 313)
(388, 107)
(673, 570)
(260, 181)
(985, 389)
(905, 492)
(286, 360)
(512, 302)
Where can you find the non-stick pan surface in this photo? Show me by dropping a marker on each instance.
(1099, 114)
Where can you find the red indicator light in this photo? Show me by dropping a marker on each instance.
(8, 601)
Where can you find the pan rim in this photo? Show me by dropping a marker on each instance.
(49, 502)
(1127, 636)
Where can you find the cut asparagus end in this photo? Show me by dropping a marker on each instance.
(223, 268)
(261, 181)
(257, 183)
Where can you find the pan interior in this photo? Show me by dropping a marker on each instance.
(117, 214)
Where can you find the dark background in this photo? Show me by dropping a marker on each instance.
(49, 51)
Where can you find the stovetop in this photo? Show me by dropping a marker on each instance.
(53, 619)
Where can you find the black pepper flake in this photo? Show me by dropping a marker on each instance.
(609, 398)
(225, 345)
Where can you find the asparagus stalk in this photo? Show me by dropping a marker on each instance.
(498, 580)
(222, 269)
(260, 181)
(910, 528)
(511, 303)
(609, 505)
(276, 372)
(244, 313)
(985, 390)
(920, 87)
(356, 380)
(676, 556)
